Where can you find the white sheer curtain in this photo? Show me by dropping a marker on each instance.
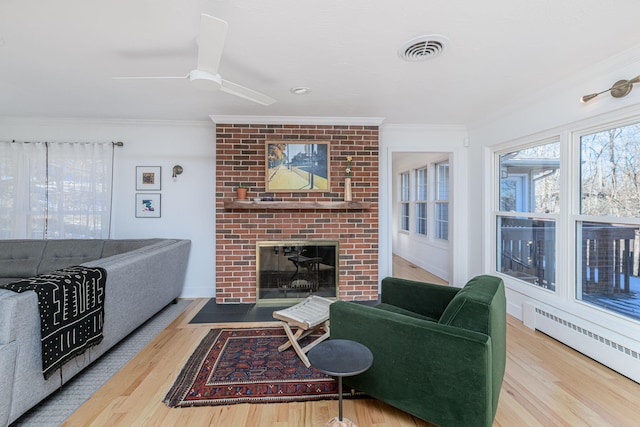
(79, 183)
(22, 190)
(55, 190)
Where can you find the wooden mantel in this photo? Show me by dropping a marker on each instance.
(288, 205)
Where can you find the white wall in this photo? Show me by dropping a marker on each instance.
(188, 204)
(424, 251)
(432, 139)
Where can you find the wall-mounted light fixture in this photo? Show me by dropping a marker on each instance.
(618, 90)
(177, 170)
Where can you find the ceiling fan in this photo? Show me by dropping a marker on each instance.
(205, 76)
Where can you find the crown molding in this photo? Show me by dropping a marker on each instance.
(49, 121)
(297, 120)
(424, 127)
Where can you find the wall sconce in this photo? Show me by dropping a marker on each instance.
(618, 90)
(177, 170)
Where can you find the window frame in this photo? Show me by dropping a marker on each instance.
(577, 218)
(497, 215)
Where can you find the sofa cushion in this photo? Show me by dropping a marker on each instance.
(20, 258)
(115, 247)
(66, 253)
(399, 310)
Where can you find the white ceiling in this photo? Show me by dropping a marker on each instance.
(57, 58)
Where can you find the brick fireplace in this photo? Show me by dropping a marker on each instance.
(240, 157)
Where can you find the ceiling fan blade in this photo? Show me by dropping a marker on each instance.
(246, 93)
(149, 77)
(211, 43)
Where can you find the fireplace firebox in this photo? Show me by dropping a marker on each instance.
(294, 269)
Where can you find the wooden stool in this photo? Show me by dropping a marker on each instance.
(308, 316)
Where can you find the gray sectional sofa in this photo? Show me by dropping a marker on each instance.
(143, 276)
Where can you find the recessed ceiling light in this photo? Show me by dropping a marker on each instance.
(300, 90)
(423, 47)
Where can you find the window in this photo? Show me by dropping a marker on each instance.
(421, 201)
(442, 201)
(55, 190)
(608, 224)
(529, 188)
(404, 201)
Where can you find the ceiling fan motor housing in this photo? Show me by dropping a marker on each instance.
(205, 80)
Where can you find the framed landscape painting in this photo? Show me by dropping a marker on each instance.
(297, 166)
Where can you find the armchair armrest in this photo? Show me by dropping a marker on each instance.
(436, 372)
(427, 299)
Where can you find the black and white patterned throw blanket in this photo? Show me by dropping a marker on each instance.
(71, 304)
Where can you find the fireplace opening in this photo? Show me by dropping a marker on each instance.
(293, 270)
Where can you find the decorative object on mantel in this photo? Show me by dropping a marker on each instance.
(620, 89)
(241, 191)
(347, 181)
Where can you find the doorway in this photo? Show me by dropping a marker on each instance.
(421, 207)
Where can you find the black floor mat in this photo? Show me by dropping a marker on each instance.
(223, 313)
(227, 313)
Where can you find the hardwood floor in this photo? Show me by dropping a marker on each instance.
(546, 384)
(407, 270)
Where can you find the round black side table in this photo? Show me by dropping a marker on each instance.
(340, 358)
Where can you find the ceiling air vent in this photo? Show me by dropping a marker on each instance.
(423, 47)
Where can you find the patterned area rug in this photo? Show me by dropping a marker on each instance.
(244, 366)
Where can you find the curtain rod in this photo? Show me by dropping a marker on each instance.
(114, 143)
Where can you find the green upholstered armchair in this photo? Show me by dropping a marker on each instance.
(438, 352)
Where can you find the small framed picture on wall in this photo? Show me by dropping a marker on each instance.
(148, 205)
(148, 178)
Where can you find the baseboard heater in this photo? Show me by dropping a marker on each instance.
(616, 351)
